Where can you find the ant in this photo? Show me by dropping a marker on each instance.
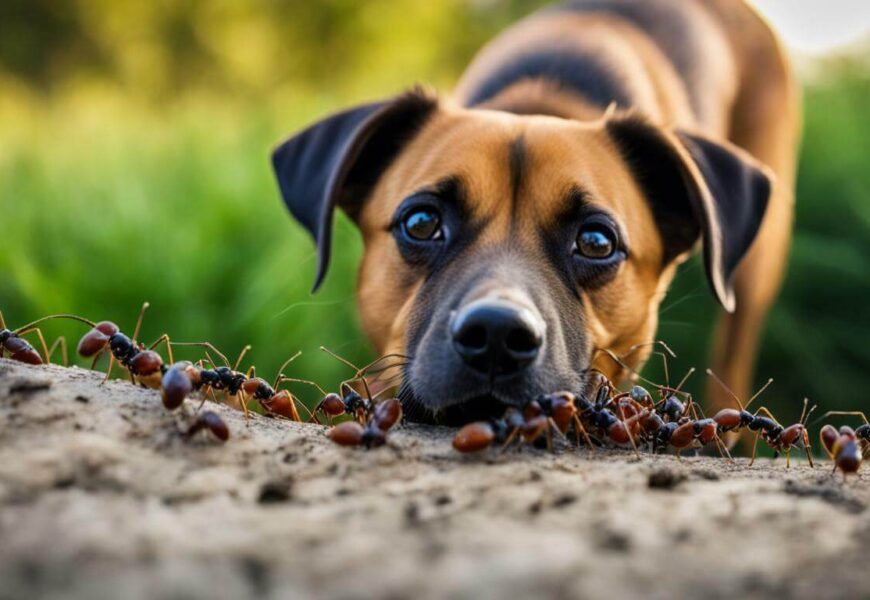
(374, 433)
(19, 349)
(183, 378)
(144, 366)
(847, 446)
(779, 438)
(560, 409)
(598, 416)
(212, 422)
(480, 435)
(352, 402)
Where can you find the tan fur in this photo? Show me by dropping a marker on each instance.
(749, 98)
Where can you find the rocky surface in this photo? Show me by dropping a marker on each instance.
(101, 496)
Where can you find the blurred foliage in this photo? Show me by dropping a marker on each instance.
(134, 166)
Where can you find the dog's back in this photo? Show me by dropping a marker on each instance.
(681, 62)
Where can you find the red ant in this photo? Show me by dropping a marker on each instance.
(19, 349)
(847, 446)
(374, 433)
(144, 366)
(212, 422)
(183, 378)
(664, 423)
(352, 403)
(480, 435)
(779, 438)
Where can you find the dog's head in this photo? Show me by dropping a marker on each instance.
(502, 250)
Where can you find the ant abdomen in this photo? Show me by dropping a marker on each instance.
(176, 385)
(829, 436)
(728, 419)
(387, 413)
(683, 435)
(474, 437)
(21, 350)
(146, 363)
(208, 420)
(332, 405)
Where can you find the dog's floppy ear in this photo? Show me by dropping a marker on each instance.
(697, 188)
(337, 161)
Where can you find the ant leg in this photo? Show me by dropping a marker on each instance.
(45, 353)
(679, 458)
(633, 443)
(788, 459)
(59, 343)
(109, 371)
(850, 413)
(164, 339)
(721, 447)
(510, 438)
(243, 397)
(2, 321)
(808, 449)
(578, 428)
(754, 448)
(312, 415)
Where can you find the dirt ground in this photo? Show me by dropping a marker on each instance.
(102, 497)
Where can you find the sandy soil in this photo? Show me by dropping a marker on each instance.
(102, 497)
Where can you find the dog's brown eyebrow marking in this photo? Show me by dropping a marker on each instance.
(516, 163)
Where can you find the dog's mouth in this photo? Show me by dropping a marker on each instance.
(477, 408)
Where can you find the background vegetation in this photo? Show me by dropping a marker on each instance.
(134, 166)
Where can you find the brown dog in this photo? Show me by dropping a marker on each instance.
(541, 213)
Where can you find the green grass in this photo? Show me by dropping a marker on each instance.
(105, 204)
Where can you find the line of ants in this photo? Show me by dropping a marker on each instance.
(372, 417)
(602, 414)
(598, 415)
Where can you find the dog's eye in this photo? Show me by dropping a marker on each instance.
(422, 224)
(596, 241)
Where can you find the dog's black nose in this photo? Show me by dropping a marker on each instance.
(496, 337)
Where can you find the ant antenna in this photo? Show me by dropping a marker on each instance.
(145, 306)
(619, 361)
(758, 393)
(684, 379)
(337, 357)
(804, 414)
(733, 395)
(241, 356)
(25, 328)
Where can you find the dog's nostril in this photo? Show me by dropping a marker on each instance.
(522, 341)
(473, 338)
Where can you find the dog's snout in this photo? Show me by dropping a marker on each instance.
(497, 337)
